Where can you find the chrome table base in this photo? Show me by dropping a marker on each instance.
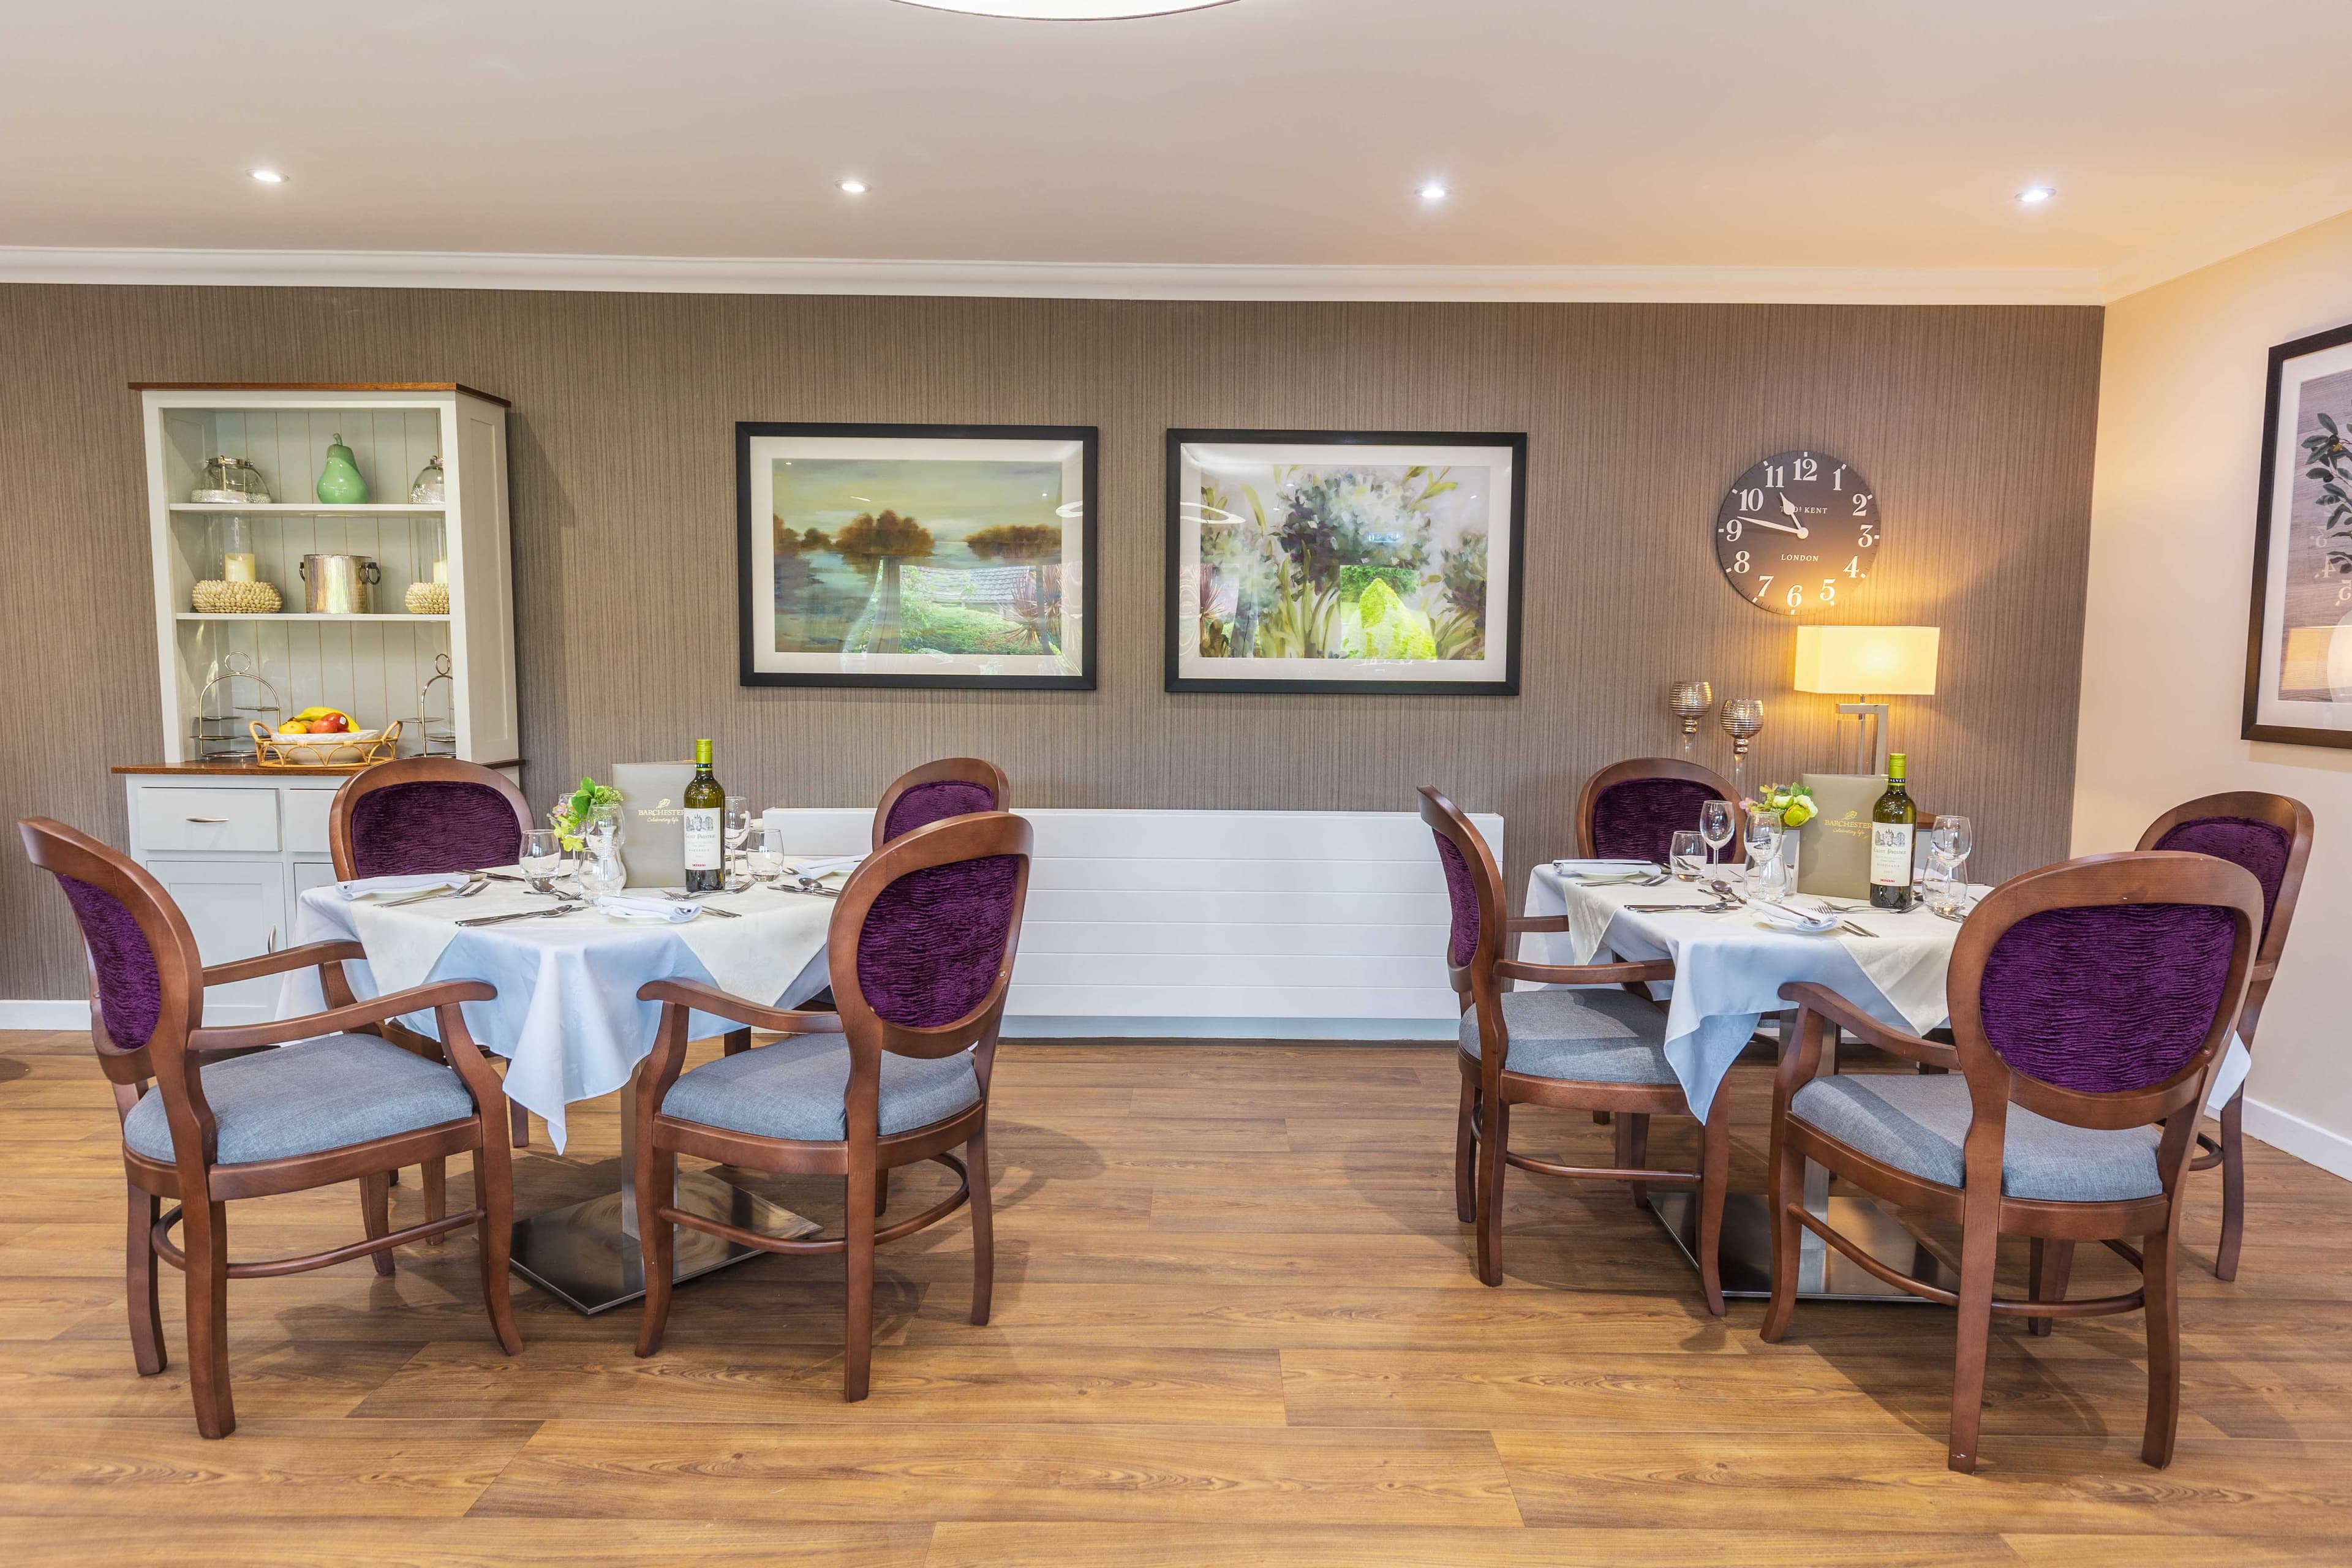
(586, 1255)
(1823, 1273)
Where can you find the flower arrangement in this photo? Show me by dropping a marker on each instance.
(1792, 803)
(582, 805)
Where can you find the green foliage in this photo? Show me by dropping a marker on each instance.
(1463, 574)
(927, 625)
(1389, 629)
(2331, 465)
(1343, 519)
(1302, 622)
(1016, 541)
(1457, 636)
(866, 538)
(1354, 580)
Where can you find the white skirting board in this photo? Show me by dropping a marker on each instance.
(2306, 1140)
(44, 1015)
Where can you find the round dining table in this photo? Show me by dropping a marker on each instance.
(568, 1020)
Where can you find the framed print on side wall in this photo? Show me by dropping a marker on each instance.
(1340, 561)
(2299, 629)
(899, 556)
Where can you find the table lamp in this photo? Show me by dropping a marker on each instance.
(1884, 661)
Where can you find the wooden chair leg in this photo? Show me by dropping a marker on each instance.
(1714, 1174)
(1979, 1247)
(1465, 1180)
(375, 1214)
(2048, 1264)
(141, 1286)
(1633, 1151)
(656, 1241)
(2159, 1278)
(1601, 1119)
(1495, 1139)
(735, 1042)
(983, 1227)
(494, 1196)
(881, 1192)
(1787, 1185)
(857, 1344)
(204, 1239)
(2233, 1187)
(518, 1125)
(436, 1194)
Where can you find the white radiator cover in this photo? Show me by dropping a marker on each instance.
(1219, 924)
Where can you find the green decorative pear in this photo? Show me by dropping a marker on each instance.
(341, 483)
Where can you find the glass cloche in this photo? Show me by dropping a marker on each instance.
(230, 481)
(432, 486)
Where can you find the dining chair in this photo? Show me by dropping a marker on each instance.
(1588, 1050)
(921, 945)
(210, 1116)
(2089, 1004)
(418, 815)
(2270, 836)
(1631, 810)
(952, 786)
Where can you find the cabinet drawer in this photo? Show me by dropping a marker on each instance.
(306, 819)
(180, 819)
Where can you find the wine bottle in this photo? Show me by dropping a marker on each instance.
(1892, 823)
(705, 806)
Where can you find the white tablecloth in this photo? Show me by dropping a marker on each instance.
(567, 1017)
(1729, 970)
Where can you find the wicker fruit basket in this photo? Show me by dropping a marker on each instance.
(363, 750)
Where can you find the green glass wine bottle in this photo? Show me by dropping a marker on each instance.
(704, 804)
(1892, 821)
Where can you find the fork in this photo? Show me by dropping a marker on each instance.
(562, 908)
(474, 884)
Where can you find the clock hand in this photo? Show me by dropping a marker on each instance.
(1799, 530)
(1789, 508)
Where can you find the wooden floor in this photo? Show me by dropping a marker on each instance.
(1234, 1325)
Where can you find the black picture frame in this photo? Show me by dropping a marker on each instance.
(2264, 617)
(1508, 686)
(1089, 437)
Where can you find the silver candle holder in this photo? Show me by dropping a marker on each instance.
(1742, 719)
(1688, 702)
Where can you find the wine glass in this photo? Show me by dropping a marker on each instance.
(543, 857)
(1742, 718)
(1953, 835)
(1685, 854)
(1765, 873)
(764, 856)
(1715, 827)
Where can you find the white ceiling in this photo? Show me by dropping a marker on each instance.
(1843, 138)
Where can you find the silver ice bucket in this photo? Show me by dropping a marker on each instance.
(338, 584)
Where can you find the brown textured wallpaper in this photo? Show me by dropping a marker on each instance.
(1974, 423)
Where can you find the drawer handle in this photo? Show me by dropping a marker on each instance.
(208, 819)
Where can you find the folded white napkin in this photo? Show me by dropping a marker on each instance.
(361, 887)
(838, 865)
(1789, 918)
(667, 912)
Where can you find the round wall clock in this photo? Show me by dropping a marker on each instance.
(1799, 534)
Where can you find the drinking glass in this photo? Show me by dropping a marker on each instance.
(1687, 854)
(543, 857)
(1946, 894)
(764, 859)
(1715, 827)
(1765, 874)
(738, 828)
(1955, 838)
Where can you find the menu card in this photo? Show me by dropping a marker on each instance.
(652, 827)
(1834, 858)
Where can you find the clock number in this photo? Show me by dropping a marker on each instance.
(1809, 469)
(1732, 531)
(1796, 597)
(1861, 502)
(1766, 583)
(1837, 481)
(1751, 500)
(1829, 590)
(1854, 567)
(1773, 478)
(1739, 564)
(1868, 538)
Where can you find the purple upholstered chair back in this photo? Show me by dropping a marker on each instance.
(129, 988)
(934, 940)
(2261, 847)
(2106, 999)
(924, 803)
(1636, 819)
(1461, 893)
(433, 825)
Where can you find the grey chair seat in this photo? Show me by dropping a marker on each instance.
(794, 1089)
(1918, 1124)
(1585, 1036)
(327, 1093)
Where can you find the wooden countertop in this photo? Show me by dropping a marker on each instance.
(255, 770)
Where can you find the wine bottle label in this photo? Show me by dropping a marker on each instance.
(702, 824)
(1890, 854)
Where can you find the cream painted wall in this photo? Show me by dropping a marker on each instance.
(2164, 644)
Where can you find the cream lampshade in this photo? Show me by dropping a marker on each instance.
(1882, 662)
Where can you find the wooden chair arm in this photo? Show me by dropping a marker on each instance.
(284, 959)
(1537, 922)
(1584, 973)
(1822, 1001)
(336, 1020)
(721, 1005)
(2266, 970)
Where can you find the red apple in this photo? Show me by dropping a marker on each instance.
(329, 724)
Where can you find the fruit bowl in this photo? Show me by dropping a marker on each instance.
(339, 749)
(324, 737)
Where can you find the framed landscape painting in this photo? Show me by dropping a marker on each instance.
(2299, 630)
(1331, 562)
(946, 555)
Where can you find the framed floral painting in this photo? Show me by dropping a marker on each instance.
(1323, 562)
(941, 555)
(2299, 629)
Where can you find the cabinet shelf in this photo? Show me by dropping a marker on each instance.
(312, 508)
(304, 615)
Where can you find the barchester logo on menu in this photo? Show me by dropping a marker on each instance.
(660, 811)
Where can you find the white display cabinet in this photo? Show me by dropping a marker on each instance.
(238, 843)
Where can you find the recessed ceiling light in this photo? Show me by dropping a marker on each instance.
(853, 187)
(267, 176)
(1068, 10)
(1433, 191)
(2034, 196)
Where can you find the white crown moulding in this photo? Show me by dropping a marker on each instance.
(1055, 280)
